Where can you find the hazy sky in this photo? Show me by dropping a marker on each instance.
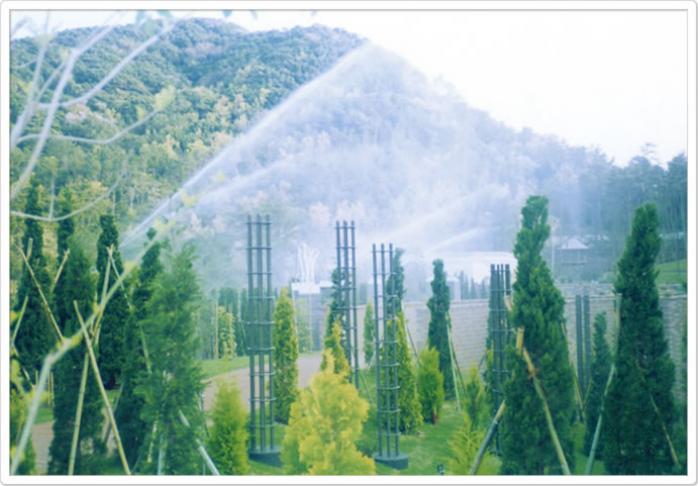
(614, 80)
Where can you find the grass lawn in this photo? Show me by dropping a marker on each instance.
(672, 272)
(213, 367)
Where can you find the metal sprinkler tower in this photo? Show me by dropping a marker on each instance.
(346, 273)
(387, 384)
(260, 347)
(499, 332)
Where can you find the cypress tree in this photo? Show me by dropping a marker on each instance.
(334, 313)
(333, 347)
(36, 335)
(128, 413)
(440, 325)
(114, 320)
(634, 437)
(408, 399)
(430, 385)
(396, 281)
(539, 308)
(369, 335)
(226, 338)
(285, 357)
(175, 383)
(305, 342)
(62, 305)
(600, 367)
(78, 287)
(18, 414)
(227, 443)
(464, 445)
(475, 400)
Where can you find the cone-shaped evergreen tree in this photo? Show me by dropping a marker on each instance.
(538, 307)
(440, 325)
(408, 399)
(285, 357)
(67, 377)
(227, 442)
(175, 383)
(334, 312)
(112, 343)
(226, 338)
(19, 402)
(36, 335)
(325, 424)
(128, 413)
(62, 305)
(430, 385)
(396, 281)
(633, 430)
(333, 345)
(369, 335)
(475, 400)
(464, 445)
(600, 367)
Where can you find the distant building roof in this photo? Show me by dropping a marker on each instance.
(305, 288)
(573, 244)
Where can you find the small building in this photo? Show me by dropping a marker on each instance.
(570, 256)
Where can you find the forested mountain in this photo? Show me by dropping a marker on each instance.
(312, 124)
(206, 80)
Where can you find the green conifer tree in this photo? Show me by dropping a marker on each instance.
(538, 307)
(408, 399)
(226, 337)
(600, 368)
(305, 342)
(78, 287)
(475, 400)
(227, 442)
(175, 383)
(285, 357)
(430, 385)
(19, 402)
(440, 325)
(634, 438)
(463, 446)
(334, 313)
(369, 335)
(112, 343)
(333, 344)
(36, 335)
(128, 413)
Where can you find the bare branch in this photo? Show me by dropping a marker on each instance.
(94, 141)
(30, 106)
(51, 111)
(84, 208)
(115, 70)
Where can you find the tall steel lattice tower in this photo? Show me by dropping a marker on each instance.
(499, 332)
(387, 384)
(346, 272)
(260, 347)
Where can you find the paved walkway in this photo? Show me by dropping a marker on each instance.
(42, 434)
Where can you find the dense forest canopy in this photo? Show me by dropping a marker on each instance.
(363, 117)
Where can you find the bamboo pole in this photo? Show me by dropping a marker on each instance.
(200, 447)
(78, 417)
(102, 391)
(548, 416)
(597, 431)
(488, 437)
